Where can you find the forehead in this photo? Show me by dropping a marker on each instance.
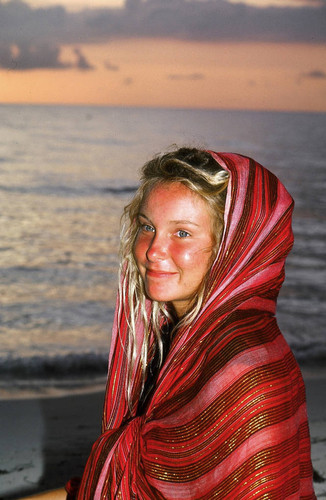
(175, 197)
(170, 192)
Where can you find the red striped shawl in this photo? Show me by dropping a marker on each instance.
(227, 419)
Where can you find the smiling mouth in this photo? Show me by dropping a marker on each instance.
(158, 274)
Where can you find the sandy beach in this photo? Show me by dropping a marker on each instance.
(44, 441)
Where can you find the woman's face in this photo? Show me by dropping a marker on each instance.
(174, 244)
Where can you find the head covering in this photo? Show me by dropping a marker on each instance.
(227, 418)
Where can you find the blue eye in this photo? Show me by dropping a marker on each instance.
(183, 234)
(147, 228)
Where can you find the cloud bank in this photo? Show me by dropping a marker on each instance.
(32, 37)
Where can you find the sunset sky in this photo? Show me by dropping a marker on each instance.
(257, 54)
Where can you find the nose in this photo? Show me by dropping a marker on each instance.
(157, 249)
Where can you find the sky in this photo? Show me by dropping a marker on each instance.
(219, 54)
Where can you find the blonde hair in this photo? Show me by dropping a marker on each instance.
(198, 171)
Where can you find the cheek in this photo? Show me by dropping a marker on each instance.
(192, 258)
(186, 257)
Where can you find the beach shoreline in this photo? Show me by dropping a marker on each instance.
(47, 440)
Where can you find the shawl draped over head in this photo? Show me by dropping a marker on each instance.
(227, 418)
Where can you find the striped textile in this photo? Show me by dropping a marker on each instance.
(227, 419)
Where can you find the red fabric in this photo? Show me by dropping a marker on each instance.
(227, 419)
(72, 487)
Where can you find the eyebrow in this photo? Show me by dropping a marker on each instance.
(184, 222)
(143, 215)
(180, 221)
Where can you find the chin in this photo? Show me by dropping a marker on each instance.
(158, 297)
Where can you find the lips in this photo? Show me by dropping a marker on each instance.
(153, 273)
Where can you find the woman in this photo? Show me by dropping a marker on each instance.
(204, 397)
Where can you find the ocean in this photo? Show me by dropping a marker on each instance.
(65, 175)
